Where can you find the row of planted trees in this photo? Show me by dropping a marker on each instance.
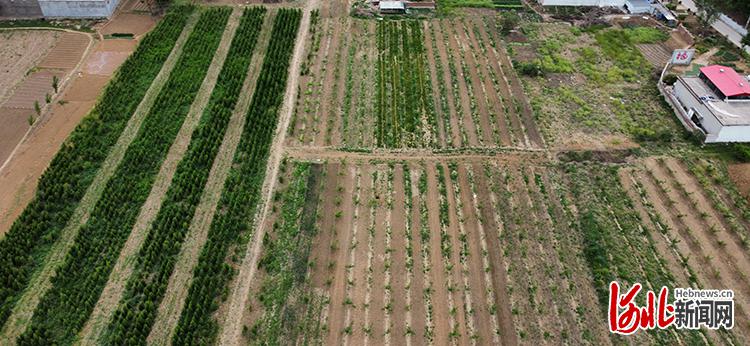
(156, 261)
(232, 224)
(79, 281)
(27, 243)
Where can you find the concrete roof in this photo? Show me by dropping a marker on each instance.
(729, 113)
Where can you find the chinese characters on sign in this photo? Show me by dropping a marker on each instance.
(682, 56)
(691, 309)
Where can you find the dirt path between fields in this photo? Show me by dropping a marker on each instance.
(173, 302)
(231, 328)
(41, 281)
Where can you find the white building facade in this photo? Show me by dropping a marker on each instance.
(77, 9)
(721, 118)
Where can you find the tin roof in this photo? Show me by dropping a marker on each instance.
(729, 82)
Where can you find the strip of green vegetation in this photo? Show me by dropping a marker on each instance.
(615, 245)
(643, 34)
(232, 225)
(145, 290)
(404, 92)
(25, 246)
(617, 45)
(77, 285)
(285, 291)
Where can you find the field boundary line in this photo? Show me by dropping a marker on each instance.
(170, 309)
(230, 328)
(123, 268)
(41, 280)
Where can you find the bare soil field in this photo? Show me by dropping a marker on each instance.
(129, 23)
(77, 95)
(22, 50)
(68, 51)
(429, 252)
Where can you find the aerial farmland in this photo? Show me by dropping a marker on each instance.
(368, 173)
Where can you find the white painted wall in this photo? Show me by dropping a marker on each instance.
(78, 9)
(716, 131)
(600, 3)
(734, 134)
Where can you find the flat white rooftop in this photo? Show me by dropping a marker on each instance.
(728, 113)
(392, 5)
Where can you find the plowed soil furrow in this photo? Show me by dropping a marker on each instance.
(477, 88)
(673, 263)
(564, 307)
(368, 121)
(305, 124)
(343, 213)
(418, 284)
(509, 208)
(489, 88)
(321, 277)
(503, 86)
(333, 129)
(479, 289)
(21, 315)
(456, 136)
(398, 260)
(377, 301)
(702, 257)
(314, 79)
(442, 320)
(724, 195)
(527, 114)
(716, 239)
(350, 131)
(570, 243)
(436, 98)
(333, 53)
(461, 297)
(463, 89)
(533, 242)
(361, 250)
(493, 230)
(123, 269)
(698, 195)
(351, 249)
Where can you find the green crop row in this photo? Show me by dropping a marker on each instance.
(285, 263)
(233, 221)
(404, 91)
(156, 260)
(78, 283)
(62, 186)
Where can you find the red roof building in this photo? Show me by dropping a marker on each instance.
(726, 82)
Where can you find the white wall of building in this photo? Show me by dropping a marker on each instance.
(601, 3)
(733, 134)
(77, 9)
(716, 131)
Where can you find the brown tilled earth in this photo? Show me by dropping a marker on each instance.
(740, 174)
(22, 50)
(18, 178)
